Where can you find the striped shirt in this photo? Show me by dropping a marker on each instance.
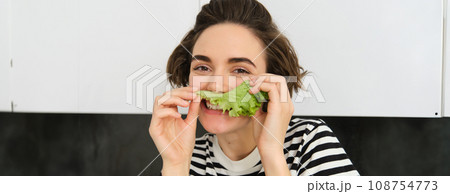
(311, 148)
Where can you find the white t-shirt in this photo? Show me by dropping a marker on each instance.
(313, 150)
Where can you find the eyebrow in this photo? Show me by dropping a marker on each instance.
(231, 60)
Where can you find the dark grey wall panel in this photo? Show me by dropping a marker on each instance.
(396, 146)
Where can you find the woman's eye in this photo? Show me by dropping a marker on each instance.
(241, 71)
(201, 68)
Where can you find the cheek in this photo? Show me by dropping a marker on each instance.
(262, 70)
(262, 67)
(190, 79)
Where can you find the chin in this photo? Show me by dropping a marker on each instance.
(216, 122)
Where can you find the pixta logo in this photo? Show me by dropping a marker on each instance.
(141, 86)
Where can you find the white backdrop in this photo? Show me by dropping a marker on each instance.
(74, 56)
(367, 57)
(446, 80)
(371, 57)
(5, 102)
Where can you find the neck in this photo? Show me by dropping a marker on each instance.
(238, 144)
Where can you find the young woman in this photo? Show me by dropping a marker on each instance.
(238, 39)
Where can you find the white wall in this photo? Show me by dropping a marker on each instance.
(46, 55)
(74, 56)
(371, 58)
(5, 55)
(446, 68)
(368, 58)
(119, 37)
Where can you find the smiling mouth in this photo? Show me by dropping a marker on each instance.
(210, 106)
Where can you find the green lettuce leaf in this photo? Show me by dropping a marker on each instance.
(237, 101)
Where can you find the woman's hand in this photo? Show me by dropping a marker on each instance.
(173, 136)
(270, 128)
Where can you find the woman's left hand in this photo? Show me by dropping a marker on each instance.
(270, 127)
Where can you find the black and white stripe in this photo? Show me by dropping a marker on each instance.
(311, 149)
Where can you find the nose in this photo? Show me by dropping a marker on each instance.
(221, 83)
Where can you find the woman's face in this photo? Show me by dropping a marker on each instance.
(225, 53)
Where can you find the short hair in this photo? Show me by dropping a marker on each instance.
(281, 58)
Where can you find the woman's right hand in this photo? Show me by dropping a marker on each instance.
(173, 136)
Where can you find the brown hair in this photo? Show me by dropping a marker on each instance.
(281, 58)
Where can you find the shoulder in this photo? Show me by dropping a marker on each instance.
(303, 134)
(204, 142)
(300, 127)
(319, 150)
(305, 124)
(201, 154)
(309, 133)
(206, 139)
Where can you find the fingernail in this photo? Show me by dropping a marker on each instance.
(194, 89)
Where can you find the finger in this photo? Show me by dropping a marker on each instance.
(194, 108)
(166, 95)
(280, 82)
(270, 88)
(166, 112)
(187, 93)
(187, 88)
(267, 77)
(256, 80)
(183, 89)
(156, 107)
(157, 119)
(173, 101)
(176, 97)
